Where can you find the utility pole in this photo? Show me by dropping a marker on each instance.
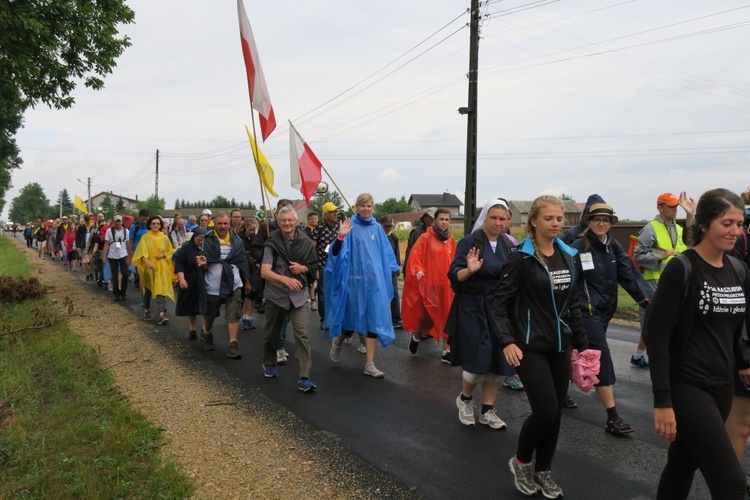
(88, 179)
(470, 192)
(156, 186)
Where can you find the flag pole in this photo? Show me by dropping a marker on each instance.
(263, 194)
(337, 187)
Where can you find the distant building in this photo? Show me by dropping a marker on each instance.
(421, 202)
(97, 199)
(520, 210)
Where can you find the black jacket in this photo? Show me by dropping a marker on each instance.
(524, 308)
(597, 287)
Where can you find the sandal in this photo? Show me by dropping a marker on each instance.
(618, 427)
(570, 402)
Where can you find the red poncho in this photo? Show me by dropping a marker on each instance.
(425, 303)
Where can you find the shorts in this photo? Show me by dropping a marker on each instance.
(72, 256)
(596, 333)
(232, 306)
(477, 378)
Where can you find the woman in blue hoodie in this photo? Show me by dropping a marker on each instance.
(537, 320)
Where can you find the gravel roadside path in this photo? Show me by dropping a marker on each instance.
(232, 440)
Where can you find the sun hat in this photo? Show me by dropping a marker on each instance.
(600, 209)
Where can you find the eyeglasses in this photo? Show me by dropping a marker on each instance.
(601, 220)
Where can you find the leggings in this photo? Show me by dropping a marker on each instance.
(545, 377)
(701, 443)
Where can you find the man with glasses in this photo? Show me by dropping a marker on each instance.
(658, 242)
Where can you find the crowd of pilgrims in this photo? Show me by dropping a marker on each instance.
(529, 315)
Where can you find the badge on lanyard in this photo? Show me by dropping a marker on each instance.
(587, 261)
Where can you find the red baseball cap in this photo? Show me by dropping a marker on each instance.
(667, 199)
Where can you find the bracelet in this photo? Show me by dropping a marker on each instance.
(340, 238)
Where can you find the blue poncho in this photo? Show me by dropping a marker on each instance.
(357, 283)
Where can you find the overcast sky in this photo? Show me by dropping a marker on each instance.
(627, 99)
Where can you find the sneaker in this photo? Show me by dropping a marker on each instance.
(398, 325)
(270, 372)
(513, 382)
(250, 324)
(336, 349)
(465, 411)
(570, 402)
(641, 362)
(163, 320)
(192, 335)
(618, 427)
(314, 306)
(547, 485)
(146, 315)
(348, 340)
(413, 343)
(243, 323)
(234, 350)
(372, 370)
(490, 418)
(446, 357)
(523, 477)
(362, 349)
(306, 385)
(208, 340)
(280, 357)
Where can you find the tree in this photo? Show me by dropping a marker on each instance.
(219, 202)
(120, 206)
(316, 205)
(47, 47)
(392, 206)
(107, 208)
(30, 204)
(565, 196)
(67, 205)
(153, 204)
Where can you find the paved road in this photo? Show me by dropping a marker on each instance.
(407, 424)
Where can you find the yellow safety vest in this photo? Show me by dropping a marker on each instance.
(664, 240)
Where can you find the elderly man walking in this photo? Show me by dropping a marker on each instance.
(226, 272)
(288, 266)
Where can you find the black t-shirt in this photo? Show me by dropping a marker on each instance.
(720, 309)
(559, 269)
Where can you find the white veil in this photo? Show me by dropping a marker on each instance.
(483, 214)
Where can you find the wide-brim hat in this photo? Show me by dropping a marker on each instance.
(430, 212)
(599, 209)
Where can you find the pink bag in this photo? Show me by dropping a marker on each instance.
(584, 368)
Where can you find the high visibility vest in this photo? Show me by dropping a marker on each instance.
(664, 240)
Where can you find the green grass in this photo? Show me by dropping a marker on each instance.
(12, 261)
(65, 432)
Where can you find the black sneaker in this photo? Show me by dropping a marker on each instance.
(208, 340)
(413, 344)
(192, 335)
(446, 357)
(147, 315)
(163, 320)
(234, 350)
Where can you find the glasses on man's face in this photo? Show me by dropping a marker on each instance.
(601, 220)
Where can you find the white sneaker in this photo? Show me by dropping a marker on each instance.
(335, 350)
(490, 418)
(362, 348)
(465, 411)
(280, 358)
(372, 370)
(348, 340)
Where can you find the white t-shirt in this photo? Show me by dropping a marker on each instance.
(118, 243)
(214, 271)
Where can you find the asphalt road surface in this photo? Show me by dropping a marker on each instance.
(406, 424)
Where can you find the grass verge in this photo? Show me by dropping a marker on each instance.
(65, 432)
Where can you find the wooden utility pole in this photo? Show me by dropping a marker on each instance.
(470, 192)
(156, 180)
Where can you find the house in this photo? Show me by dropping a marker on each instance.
(97, 199)
(421, 202)
(520, 211)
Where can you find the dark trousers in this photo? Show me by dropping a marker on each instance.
(701, 443)
(545, 377)
(321, 297)
(119, 265)
(395, 303)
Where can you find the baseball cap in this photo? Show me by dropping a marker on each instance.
(206, 212)
(329, 206)
(118, 217)
(430, 212)
(667, 199)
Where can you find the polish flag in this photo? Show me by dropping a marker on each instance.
(305, 165)
(256, 82)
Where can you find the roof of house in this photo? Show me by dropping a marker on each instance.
(436, 200)
(112, 195)
(525, 206)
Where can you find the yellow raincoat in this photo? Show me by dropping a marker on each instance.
(158, 279)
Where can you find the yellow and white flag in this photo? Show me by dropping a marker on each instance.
(265, 170)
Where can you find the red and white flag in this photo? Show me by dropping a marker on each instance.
(256, 82)
(305, 165)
